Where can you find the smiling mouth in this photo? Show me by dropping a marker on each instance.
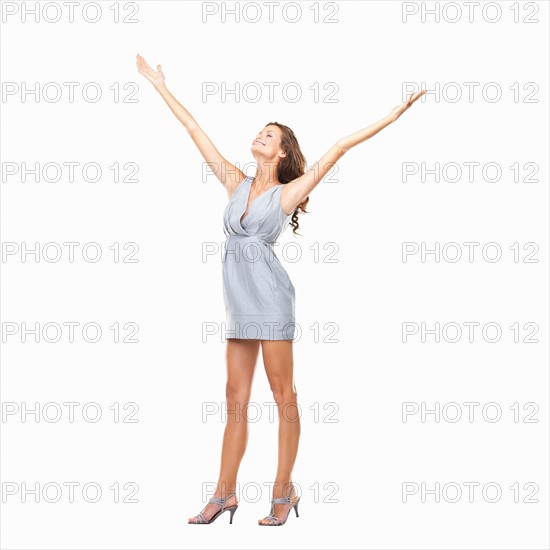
(256, 141)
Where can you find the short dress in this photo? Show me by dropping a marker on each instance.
(258, 293)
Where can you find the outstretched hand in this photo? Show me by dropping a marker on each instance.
(400, 109)
(155, 77)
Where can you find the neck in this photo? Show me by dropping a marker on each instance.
(266, 175)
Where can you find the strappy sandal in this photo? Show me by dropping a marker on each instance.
(201, 520)
(273, 519)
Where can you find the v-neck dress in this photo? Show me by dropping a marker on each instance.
(258, 293)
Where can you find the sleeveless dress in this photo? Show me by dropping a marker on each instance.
(258, 293)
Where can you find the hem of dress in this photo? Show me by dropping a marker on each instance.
(244, 326)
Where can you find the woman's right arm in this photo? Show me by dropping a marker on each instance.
(228, 174)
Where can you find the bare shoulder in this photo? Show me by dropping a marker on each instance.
(232, 181)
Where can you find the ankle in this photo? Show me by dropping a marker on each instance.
(229, 496)
(283, 489)
(224, 489)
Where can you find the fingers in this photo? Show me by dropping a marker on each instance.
(417, 96)
(142, 64)
(420, 94)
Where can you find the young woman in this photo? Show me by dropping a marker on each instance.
(258, 294)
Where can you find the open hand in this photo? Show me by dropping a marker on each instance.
(400, 109)
(155, 77)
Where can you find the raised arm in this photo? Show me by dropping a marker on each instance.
(297, 190)
(228, 174)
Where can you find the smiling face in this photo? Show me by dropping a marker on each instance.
(267, 144)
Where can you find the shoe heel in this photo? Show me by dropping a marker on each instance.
(296, 510)
(231, 512)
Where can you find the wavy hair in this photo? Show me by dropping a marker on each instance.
(291, 167)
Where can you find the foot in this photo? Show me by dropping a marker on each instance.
(211, 508)
(279, 511)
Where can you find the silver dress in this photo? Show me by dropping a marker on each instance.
(258, 293)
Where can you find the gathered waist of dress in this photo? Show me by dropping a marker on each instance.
(245, 238)
(250, 248)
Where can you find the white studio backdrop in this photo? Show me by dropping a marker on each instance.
(422, 377)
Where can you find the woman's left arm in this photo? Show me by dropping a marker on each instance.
(301, 187)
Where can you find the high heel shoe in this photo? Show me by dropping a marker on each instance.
(201, 520)
(273, 519)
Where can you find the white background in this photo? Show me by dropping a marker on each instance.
(367, 210)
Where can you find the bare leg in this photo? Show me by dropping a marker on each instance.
(241, 358)
(279, 366)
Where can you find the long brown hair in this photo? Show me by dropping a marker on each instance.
(292, 166)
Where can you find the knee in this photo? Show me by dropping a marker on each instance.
(236, 394)
(284, 394)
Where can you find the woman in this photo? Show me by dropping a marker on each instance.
(258, 294)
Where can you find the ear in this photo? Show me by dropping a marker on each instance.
(282, 154)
